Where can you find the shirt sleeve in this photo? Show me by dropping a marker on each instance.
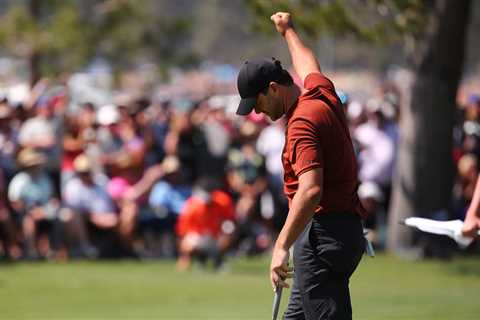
(158, 195)
(318, 80)
(185, 222)
(16, 186)
(305, 152)
(71, 194)
(102, 204)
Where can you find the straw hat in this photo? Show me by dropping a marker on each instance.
(82, 164)
(30, 157)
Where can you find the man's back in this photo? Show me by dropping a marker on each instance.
(317, 137)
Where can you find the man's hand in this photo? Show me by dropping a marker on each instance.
(279, 270)
(471, 226)
(303, 59)
(282, 21)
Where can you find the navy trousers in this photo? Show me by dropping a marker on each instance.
(324, 257)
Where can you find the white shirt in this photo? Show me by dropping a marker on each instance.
(377, 154)
(35, 128)
(270, 144)
(87, 198)
(30, 190)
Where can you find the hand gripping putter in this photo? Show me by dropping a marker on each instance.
(278, 295)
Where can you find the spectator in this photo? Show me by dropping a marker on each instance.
(87, 197)
(160, 117)
(187, 141)
(74, 143)
(471, 126)
(31, 194)
(8, 233)
(43, 132)
(218, 135)
(377, 143)
(167, 200)
(247, 180)
(371, 197)
(170, 194)
(8, 141)
(467, 171)
(205, 225)
(270, 145)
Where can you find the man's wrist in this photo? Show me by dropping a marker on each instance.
(471, 216)
(281, 245)
(288, 30)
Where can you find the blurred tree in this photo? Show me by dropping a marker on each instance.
(433, 35)
(127, 33)
(63, 35)
(44, 31)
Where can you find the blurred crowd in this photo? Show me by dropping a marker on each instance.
(466, 153)
(138, 178)
(162, 179)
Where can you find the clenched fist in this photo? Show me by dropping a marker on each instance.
(471, 226)
(282, 21)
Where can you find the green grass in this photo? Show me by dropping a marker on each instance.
(382, 288)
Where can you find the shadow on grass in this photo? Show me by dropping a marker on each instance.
(465, 266)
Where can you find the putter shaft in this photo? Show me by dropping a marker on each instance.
(276, 302)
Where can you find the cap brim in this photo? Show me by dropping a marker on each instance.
(246, 106)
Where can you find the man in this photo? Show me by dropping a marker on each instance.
(91, 204)
(320, 180)
(166, 200)
(31, 195)
(42, 132)
(205, 225)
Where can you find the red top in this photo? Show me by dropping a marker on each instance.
(317, 136)
(205, 219)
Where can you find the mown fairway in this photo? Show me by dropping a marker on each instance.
(382, 288)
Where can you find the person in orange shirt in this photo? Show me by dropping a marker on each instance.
(205, 226)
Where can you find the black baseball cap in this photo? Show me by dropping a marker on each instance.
(254, 76)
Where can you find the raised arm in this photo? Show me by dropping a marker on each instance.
(303, 59)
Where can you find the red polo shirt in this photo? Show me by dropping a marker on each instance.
(317, 136)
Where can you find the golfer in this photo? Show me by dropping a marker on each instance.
(320, 180)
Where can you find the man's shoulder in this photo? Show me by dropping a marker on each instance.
(314, 110)
(36, 123)
(317, 80)
(19, 179)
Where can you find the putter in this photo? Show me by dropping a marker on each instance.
(276, 302)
